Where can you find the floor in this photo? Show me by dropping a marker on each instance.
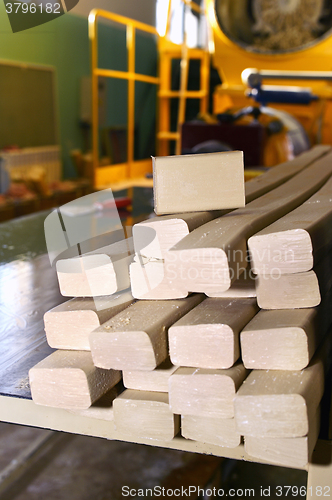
(84, 468)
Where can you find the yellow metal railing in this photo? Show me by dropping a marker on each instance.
(167, 52)
(107, 174)
(132, 169)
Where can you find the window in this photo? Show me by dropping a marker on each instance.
(180, 21)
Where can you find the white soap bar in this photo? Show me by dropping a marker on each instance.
(190, 183)
(144, 415)
(69, 379)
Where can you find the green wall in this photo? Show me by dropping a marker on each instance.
(113, 55)
(64, 44)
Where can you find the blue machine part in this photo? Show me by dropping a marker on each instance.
(270, 94)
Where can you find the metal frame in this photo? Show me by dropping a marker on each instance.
(132, 171)
(25, 412)
(169, 51)
(131, 168)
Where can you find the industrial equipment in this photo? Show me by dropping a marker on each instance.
(257, 47)
(285, 41)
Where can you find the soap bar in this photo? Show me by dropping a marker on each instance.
(189, 183)
(292, 291)
(285, 339)
(217, 431)
(144, 415)
(209, 335)
(281, 173)
(102, 272)
(205, 393)
(68, 325)
(286, 452)
(294, 243)
(152, 279)
(69, 379)
(155, 380)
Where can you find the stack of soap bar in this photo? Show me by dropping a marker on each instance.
(204, 399)
(300, 290)
(150, 277)
(297, 241)
(293, 257)
(215, 254)
(152, 239)
(136, 339)
(181, 356)
(273, 403)
(287, 452)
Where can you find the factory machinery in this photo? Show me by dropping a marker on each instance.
(274, 60)
(275, 100)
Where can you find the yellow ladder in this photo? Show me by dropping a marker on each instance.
(169, 51)
(132, 172)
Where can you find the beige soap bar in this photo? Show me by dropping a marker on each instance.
(69, 379)
(153, 237)
(290, 291)
(145, 415)
(155, 380)
(215, 254)
(149, 278)
(285, 339)
(285, 452)
(295, 242)
(208, 336)
(205, 393)
(280, 404)
(189, 183)
(157, 235)
(216, 431)
(103, 408)
(149, 281)
(136, 338)
(102, 272)
(68, 325)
